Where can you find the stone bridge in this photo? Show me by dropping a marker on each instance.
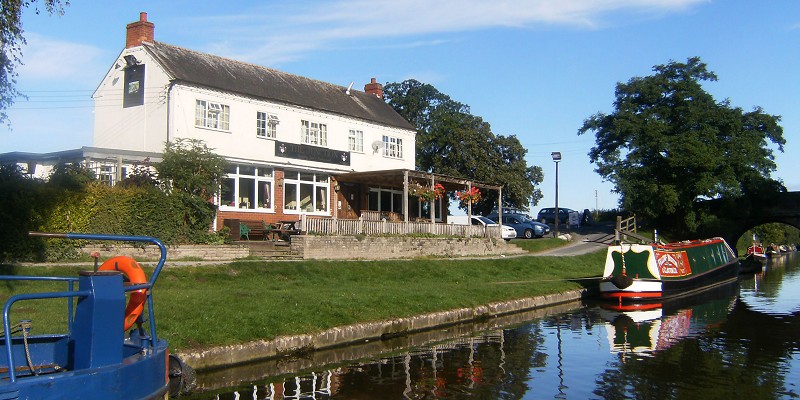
(735, 218)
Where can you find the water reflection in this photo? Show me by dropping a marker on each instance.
(737, 341)
(646, 331)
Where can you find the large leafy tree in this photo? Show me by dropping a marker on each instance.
(452, 141)
(12, 40)
(668, 143)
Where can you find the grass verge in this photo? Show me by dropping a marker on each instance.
(198, 307)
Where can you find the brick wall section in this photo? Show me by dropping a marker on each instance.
(174, 253)
(139, 31)
(380, 248)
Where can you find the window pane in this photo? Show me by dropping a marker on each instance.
(306, 197)
(373, 200)
(386, 201)
(247, 170)
(264, 195)
(261, 123)
(247, 191)
(290, 196)
(264, 171)
(200, 113)
(397, 203)
(227, 194)
(322, 198)
(306, 177)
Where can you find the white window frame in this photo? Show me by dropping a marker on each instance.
(260, 175)
(212, 115)
(266, 125)
(355, 140)
(313, 133)
(320, 192)
(392, 147)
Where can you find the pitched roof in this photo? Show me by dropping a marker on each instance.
(192, 67)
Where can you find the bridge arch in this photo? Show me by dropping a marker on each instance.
(781, 208)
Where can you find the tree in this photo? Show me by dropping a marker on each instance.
(192, 173)
(451, 141)
(190, 167)
(668, 143)
(12, 41)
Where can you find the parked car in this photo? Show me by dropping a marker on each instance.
(547, 215)
(523, 225)
(507, 232)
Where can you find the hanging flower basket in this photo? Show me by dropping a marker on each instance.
(426, 193)
(471, 195)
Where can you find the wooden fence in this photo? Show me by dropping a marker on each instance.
(329, 226)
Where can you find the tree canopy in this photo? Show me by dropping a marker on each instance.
(452, 141)
(668, 144)
(12, 41)
(190, 166)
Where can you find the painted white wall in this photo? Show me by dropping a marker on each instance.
(241, 141)
(145, 128)
(140, 128)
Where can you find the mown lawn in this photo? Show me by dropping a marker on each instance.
(247, 300)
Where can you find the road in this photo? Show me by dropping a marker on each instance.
(585, 240)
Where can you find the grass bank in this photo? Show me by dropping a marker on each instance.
(243, 301)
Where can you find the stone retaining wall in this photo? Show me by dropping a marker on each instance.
(229, 355)
(203, 252)
(391, 247)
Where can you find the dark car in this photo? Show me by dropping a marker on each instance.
(547, 215)
(525, 227)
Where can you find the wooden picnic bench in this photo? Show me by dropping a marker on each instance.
(284, 231)
(253, 230)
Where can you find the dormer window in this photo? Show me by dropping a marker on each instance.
(212, 115)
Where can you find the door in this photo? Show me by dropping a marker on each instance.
(348, 204)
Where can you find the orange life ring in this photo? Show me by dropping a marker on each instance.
(130, 268)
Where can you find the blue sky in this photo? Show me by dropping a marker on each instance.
(535, 69)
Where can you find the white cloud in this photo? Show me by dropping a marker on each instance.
(47, 59)
(272, 35)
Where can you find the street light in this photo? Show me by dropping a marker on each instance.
(556, 158)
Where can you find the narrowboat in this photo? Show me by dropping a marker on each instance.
(755, 259)
(105, 344)
(649, 273)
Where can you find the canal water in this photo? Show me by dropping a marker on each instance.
(738, 341)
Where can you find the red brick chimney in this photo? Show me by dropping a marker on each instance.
(139, 31)
(374, 88)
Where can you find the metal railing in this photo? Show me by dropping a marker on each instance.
(71, 293)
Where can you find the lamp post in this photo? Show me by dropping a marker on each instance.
(556, 158)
